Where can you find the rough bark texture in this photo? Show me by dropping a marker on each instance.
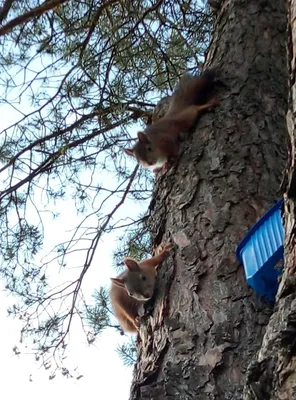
(272, 375)
(207, 324)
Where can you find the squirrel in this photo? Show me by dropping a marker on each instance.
(161, 109)
(133, 287)
(157, 146)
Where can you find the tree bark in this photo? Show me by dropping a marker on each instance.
(207, 324)
(272, 374)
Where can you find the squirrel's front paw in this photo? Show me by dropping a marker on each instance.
(214, 102)
(162, 169)
(164, 248)
(167, 247)
(165, 167)
(137, 322)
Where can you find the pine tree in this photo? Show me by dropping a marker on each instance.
(207, 326)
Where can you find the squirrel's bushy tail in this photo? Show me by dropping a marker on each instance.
(193, 90)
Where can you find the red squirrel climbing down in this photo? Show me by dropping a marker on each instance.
(157, 146)
(134, 286)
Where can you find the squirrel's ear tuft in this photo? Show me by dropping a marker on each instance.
(132, 264)
(118, 282)
(143, 138)
(129, 152)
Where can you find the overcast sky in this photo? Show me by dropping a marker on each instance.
(103, 371)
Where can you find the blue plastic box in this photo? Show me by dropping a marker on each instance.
(262, 250)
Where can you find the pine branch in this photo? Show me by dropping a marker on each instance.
(28, 16)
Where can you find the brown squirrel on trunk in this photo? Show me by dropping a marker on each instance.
(133, 287)
(157, 146)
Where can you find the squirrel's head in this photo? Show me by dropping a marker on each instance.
(137, 282)
(145, 153)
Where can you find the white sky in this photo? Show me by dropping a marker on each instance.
(104, 374)
(102, 369)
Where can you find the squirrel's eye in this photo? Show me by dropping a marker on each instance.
(131, 294)
(143, 278)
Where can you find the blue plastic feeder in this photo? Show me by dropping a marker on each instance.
(261, 250)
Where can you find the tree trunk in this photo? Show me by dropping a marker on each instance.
(207, 324)
(272, 374)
